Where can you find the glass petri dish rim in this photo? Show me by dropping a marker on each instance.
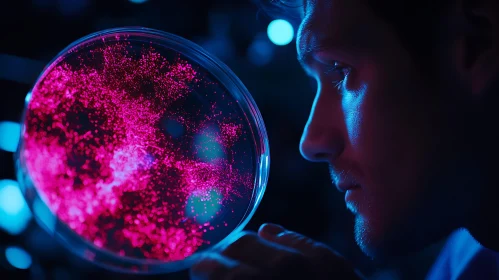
(232, 84)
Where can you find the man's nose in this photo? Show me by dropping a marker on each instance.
(322, 138)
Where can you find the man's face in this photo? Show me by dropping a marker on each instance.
(388, 133)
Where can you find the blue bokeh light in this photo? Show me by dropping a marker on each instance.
(17, 257)
(260, 52)
(73, 7)
(44, 216)
(28, 97)
(10, 133)
(14, 212)
(138, 1)
(220, 46)
(280, 32)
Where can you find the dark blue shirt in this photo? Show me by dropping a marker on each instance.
(462, 257)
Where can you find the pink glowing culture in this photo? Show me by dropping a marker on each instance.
(138, 150)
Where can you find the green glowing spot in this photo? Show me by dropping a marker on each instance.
(203, 205)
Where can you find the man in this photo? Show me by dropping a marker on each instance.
(405, 115)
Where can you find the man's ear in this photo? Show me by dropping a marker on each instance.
(477, 46)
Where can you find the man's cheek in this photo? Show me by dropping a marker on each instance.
(352, 104)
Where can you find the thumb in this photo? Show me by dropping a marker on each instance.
(278, 234)
(327, 260)
(270, 231)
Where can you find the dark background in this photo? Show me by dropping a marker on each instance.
(299, 194)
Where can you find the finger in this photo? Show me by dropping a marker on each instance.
(269, 231)
(279, 235)
(272, 260)
(252, 250)
(215, 266)
(319, 254)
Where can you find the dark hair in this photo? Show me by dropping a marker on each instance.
(415, 21)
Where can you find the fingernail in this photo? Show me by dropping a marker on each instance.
(271, 229)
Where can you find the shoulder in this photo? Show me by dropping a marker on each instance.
(462, 257)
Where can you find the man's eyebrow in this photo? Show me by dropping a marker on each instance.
(307, 56)
(342, 48)
(308, 46)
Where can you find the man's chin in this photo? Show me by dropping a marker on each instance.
(381, 244)
(364, 237)
(373, 241)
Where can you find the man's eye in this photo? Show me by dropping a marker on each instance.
(337, 73)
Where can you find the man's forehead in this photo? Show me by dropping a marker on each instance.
(302, 7)
(335, 16)
(334, 25)
(328, 5)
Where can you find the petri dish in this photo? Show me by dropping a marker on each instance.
(139, 151)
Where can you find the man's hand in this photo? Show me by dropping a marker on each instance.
(273, 253)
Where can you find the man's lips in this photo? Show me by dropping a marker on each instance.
(344, 177)
(345, 185)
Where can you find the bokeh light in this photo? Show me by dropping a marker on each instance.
(27, 98)
(9, 136)
(280, 32)
(138, 1)
(14, 212)
(260, 52)
(73, 7)
(42, 213)
(220, 46)
(18, 257)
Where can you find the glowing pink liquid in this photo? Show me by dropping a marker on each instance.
(99, 148)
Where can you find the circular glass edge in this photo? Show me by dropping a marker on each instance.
(109, 260)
